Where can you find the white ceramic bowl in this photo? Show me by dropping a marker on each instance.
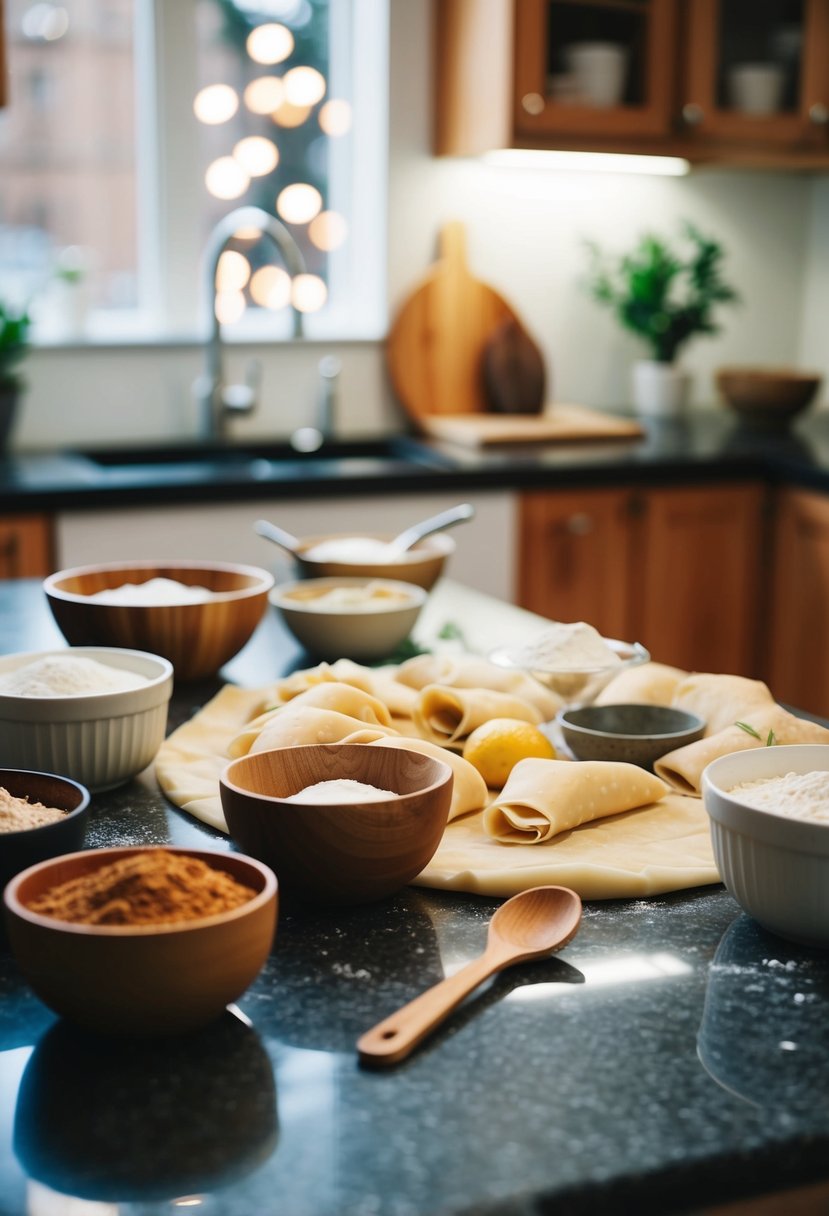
(100, 739)
(775, 866)
(332, 631)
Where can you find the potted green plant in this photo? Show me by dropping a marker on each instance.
(665, 296)
(14, 344)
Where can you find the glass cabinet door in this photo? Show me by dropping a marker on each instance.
(758, 69)
(597, 67)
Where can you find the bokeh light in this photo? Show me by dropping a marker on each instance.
(215, 103)
(309, 293)
(230, 306)
(270, 287)
(335, 117)
(270, 43)
(225, 178)
(299, 203)
(288, 115)
(265, 94)
(256, 155)
(304, 86)
(328, 230)
(233, 271)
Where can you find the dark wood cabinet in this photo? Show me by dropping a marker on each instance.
(26, 546)
(743, 82)
(679, 570)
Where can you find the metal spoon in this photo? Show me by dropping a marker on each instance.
(435, 523)
(531, 925)
(278, 535)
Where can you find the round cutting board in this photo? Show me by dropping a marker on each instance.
(437, 340)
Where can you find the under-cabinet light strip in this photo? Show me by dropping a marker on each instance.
(603, 162)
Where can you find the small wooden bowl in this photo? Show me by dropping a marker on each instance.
(767, 396)
(26, 847)
(140, 979)
(422, 565)
(338, 853)
(197, 637)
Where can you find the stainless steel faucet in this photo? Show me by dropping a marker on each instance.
(216, 400)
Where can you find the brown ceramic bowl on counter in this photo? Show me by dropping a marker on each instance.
(27, 845)
(343, 851)
(422, 565)
(768, 396)
(197, 636)
(147, 978)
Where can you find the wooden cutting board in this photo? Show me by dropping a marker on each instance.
(437, 339)
(560, 423)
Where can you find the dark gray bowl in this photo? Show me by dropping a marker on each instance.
(24, 848)
(637, 734)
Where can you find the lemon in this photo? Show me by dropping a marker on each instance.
(496, 747)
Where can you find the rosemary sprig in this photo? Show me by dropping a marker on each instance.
(770, 738)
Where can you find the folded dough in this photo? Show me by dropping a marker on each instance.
(720, 700)
(293, 726)
(649, 684)
(473, 671)
(469, 791)
(543, 798)
(448, 715)
(682, 768)
(340, 698)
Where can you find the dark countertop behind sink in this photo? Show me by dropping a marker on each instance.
(673, 1057)
(707, 446)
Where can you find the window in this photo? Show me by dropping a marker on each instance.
(135, 125)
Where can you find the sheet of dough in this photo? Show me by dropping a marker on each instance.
(469, 792)
(449, 715)
(648, 684)
(543, 798)
(682, 768)
(660, 848)
(472, 671)
(720, 700)
(648, 852)
(333, 696)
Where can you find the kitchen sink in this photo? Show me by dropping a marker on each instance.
(262, 461)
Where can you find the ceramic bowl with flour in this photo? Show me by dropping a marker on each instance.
(95, 714)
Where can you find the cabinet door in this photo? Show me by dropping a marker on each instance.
(575, 556)
(601, 68)
(699, 603)
(757, 72)
(25, 546)
(797, 627)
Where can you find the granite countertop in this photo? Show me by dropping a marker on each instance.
(673, 1056)
(705, 446)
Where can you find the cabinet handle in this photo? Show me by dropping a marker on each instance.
(533, 103)
(578, 524)
(819, 114)
(692, 113)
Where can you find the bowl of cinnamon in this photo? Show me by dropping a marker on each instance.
(145, 941)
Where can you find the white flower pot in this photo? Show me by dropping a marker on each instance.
(660, 389)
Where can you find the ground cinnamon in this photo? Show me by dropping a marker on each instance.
(149, 888)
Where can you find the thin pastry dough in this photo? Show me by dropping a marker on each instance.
(449, 715)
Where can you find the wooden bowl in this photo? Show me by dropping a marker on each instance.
(769, 396)
(26, 847)
(422, 565)
(196, 637)
(140, 979)
(344, 852)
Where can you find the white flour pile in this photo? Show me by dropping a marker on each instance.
(343, 790)
(574, 646)
(796, 795)
(355, 549)
(153, 591)
(66, 676)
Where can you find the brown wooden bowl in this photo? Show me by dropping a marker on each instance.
(140, 979)
(196, 637)
(345, 852)
(770, 396)
(422, 565)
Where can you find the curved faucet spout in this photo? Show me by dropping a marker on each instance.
(217, 400)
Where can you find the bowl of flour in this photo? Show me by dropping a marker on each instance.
(768, 810)
(94, 714)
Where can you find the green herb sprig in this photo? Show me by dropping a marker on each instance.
(770, 737)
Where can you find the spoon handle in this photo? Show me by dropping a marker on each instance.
(435, 523)
(278, 535)
(396, 1036)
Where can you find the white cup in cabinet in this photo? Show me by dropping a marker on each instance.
(599, 70)
(756, 88)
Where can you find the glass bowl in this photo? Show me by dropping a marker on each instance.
(575, 685)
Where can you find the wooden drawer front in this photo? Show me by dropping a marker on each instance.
(25, 547)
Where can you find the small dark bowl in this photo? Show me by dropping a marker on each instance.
(24, 848)
(636, 734)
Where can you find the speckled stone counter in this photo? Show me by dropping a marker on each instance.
(672, 1057)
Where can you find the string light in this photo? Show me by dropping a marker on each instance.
(270, 43)
(216, 103)
(299, 203)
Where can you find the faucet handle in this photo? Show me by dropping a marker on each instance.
(329, 369)
(242, 398)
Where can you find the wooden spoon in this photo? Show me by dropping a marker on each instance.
(531, 925)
